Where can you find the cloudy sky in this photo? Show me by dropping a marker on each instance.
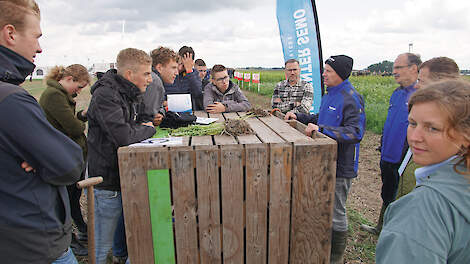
(240, 33)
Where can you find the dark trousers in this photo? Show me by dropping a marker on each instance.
(74, 198)
(390, 178)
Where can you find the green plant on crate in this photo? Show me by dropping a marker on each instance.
(233, 127)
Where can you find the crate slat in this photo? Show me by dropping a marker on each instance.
(133, 173)
(232, 203)
(264, 133)
(312, 202)
(184, 200)
(279, 209)
(284, 130)
(256, 203)
(207, 173)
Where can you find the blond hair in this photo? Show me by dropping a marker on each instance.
(453, 98)
(14, 12)
(131, 59)
(78, 72)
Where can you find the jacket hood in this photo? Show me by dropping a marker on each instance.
(115, 81)
(453, 186)
(14, 68)
(232, 87)
(56, 85)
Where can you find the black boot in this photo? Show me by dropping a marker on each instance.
(338, 246)
(377, 229)
(77, 248)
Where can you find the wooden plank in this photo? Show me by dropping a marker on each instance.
(264, 133)
(231, 115)
(207, 173)
(285, 130)
(279, 209)
(161, 215)
(220, 117)
(256, 203)
(301, 128)
(200, 113)
(312, 202)
(184, 200)
(201, 141)
(133, 166)
(248, 139)
(232, 203)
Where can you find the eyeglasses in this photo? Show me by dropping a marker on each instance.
(401, 67)
(222, 79)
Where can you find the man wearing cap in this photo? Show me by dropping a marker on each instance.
(393, 145)
(342, 118)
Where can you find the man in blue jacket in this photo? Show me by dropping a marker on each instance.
(36, 160)
(393, 143)
(342, 118)
(187, 81)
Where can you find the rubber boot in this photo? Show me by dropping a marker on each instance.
(377, 229)
(338, 246)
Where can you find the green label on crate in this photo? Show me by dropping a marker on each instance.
(160, 216)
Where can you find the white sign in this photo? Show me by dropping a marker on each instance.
(179, 103)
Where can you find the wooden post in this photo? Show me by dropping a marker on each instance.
(89, 183)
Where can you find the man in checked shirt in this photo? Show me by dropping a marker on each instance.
(293, 94)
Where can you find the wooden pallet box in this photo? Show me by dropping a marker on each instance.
(263, 198)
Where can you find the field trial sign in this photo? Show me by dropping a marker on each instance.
(300, 37)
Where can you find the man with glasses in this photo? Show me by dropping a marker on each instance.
(293, 94)
(222, 95)
(393, 143)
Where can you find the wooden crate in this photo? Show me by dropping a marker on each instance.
(264, 198)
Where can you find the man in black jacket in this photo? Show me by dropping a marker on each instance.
(36, 160)
(114, 121)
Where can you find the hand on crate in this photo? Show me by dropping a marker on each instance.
(290, 115)
(216, 107)
(311, 129)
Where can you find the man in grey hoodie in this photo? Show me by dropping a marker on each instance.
(222, 95)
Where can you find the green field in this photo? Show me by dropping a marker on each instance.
(376, 91)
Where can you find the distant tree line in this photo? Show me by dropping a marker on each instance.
(381, 67)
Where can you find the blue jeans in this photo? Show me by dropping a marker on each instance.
(119, 243)
(67, 258)
(108, 209)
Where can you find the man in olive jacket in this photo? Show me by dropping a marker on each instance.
(114, 122)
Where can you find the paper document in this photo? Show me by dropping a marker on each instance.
(152, 142)
(179, 103)
(205, 120)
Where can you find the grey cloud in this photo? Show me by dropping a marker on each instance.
(161, 12)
